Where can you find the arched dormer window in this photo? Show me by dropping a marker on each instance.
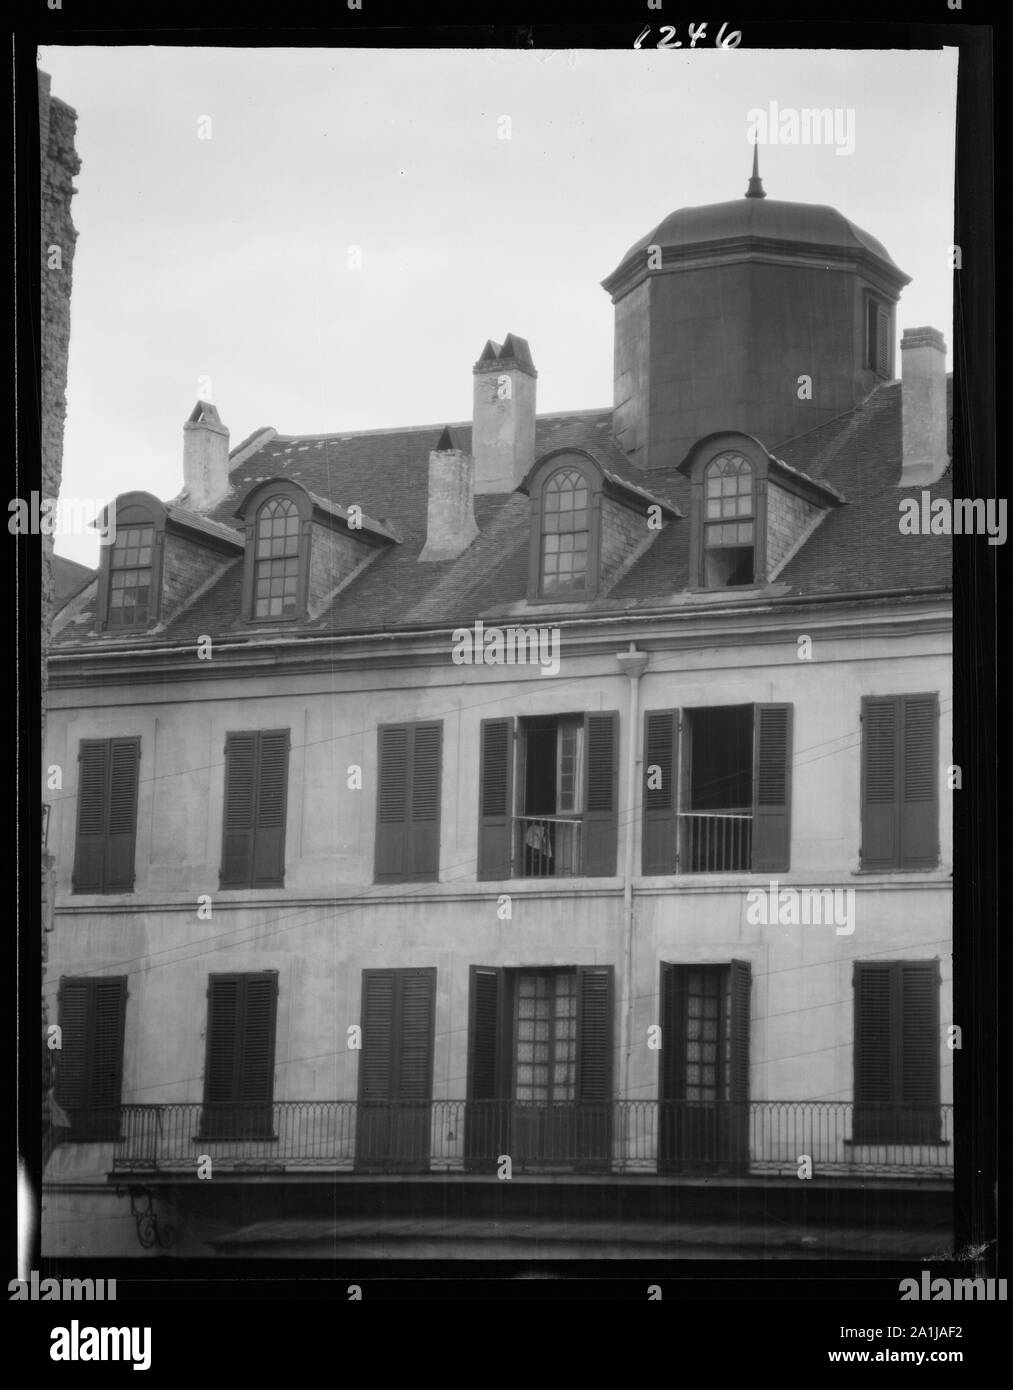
(566, 498)
(278, 517)
(130, 572)
(276, 560)
(566, 532)
(729, 521)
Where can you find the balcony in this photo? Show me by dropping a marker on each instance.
(547, 846)
(714, 842)
(618, 1137)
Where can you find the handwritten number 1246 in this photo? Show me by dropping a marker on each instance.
(696, 32)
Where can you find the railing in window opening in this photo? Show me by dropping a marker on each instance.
(547, 846)
(714, 842)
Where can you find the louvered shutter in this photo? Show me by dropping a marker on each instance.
(673, 1028)
(392, 802)
(424, 827)
(495, 799)
(239, 1062)
(883, 364)
(486, 1119)
(919, 802)
(255, 1078)
(661, 752)
(738, 1045)
(881, 719)
(124, 759)
(271, 806)
(874, 1047)
(415, 1035)
(918, 1090)
(771, 849)
(594, 1038)
(72, 1060)
(376, 1062)
(601, 816)
(89, 1070)
(89, 854)
(239, 809)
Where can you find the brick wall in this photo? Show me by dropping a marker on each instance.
(787, 518)
(622, 531)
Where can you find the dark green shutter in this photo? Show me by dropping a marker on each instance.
(255, 809)
(919, 806)
(883, 364)
(495, 799)
(239, 1058)
(396, 1069)
(89, 854)
(124, 759)
(594, 1033)
(661, 730)
(897, 1051)
(900, 798)
(89, 1069)
(424, 827)
(376, 1063)
(392, 802)
(408, 802)
(239, 809)
(673, 1030)
(486, 1124)
(601, 814)
(880, 779)
(272, 801)
(771, 851)
(738, 1044)
(106, 815)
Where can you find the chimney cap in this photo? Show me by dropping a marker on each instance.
(514, 352)
(922, 337)
(204, 413)
(446, 444)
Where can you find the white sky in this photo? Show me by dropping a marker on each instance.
(227, 258)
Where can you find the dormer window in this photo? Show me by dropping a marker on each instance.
(565, 534)
(729, 521)
(130, 576)
(130, 573)
(277, 560)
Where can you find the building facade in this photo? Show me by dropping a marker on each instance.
(512, 836)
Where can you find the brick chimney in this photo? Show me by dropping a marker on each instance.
(450, 526)
(503, 428)
(205, 457)
(923, 406)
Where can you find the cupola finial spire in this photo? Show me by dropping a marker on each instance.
(755, 189)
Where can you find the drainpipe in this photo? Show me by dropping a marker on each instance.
(632, 663)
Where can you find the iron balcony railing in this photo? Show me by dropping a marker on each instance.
(634, 1136)
(547, 846)
(714, 842)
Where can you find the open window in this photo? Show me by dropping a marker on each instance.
(717, 789)
(548, 796)
(540, 1067)
(729, 521)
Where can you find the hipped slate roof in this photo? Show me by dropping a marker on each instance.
(856, 548)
